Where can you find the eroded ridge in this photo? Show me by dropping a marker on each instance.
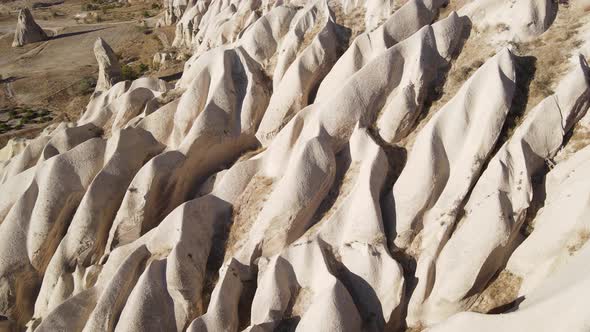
(319, 166)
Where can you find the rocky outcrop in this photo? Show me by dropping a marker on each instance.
(109, 69)
(519, 20)
(173, 10)
(189, 23)
(497, 207)
(295, 178)
(27, 30)
(162, 59)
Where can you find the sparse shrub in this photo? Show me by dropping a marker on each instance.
(131, 73)
(86, 86)
(106, 6)
(146, 14)
(466, 71)
(28, 115)
(89, 7)
(92, 17)
(476, 64)
(143, 68)
(143, 29)
(128, 73)
(155, 5)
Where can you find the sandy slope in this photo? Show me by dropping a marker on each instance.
(296, 179)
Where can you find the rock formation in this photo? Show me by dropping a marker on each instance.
(27, 30)
(109, 69)
(298, 177)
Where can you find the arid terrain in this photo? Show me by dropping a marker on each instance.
(54, 79)
(295, 165)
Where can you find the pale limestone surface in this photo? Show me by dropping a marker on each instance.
(293, 179)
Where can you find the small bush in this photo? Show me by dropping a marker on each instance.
(155, 5)
(128, 73)
(111, 6)
(143, 29)
(89, 7)
(147, 14)
(143, 68)
(86, 86)
(28, 115)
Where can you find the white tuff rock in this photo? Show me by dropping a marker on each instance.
(109, 69)
(297, 179)
(27, 30)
